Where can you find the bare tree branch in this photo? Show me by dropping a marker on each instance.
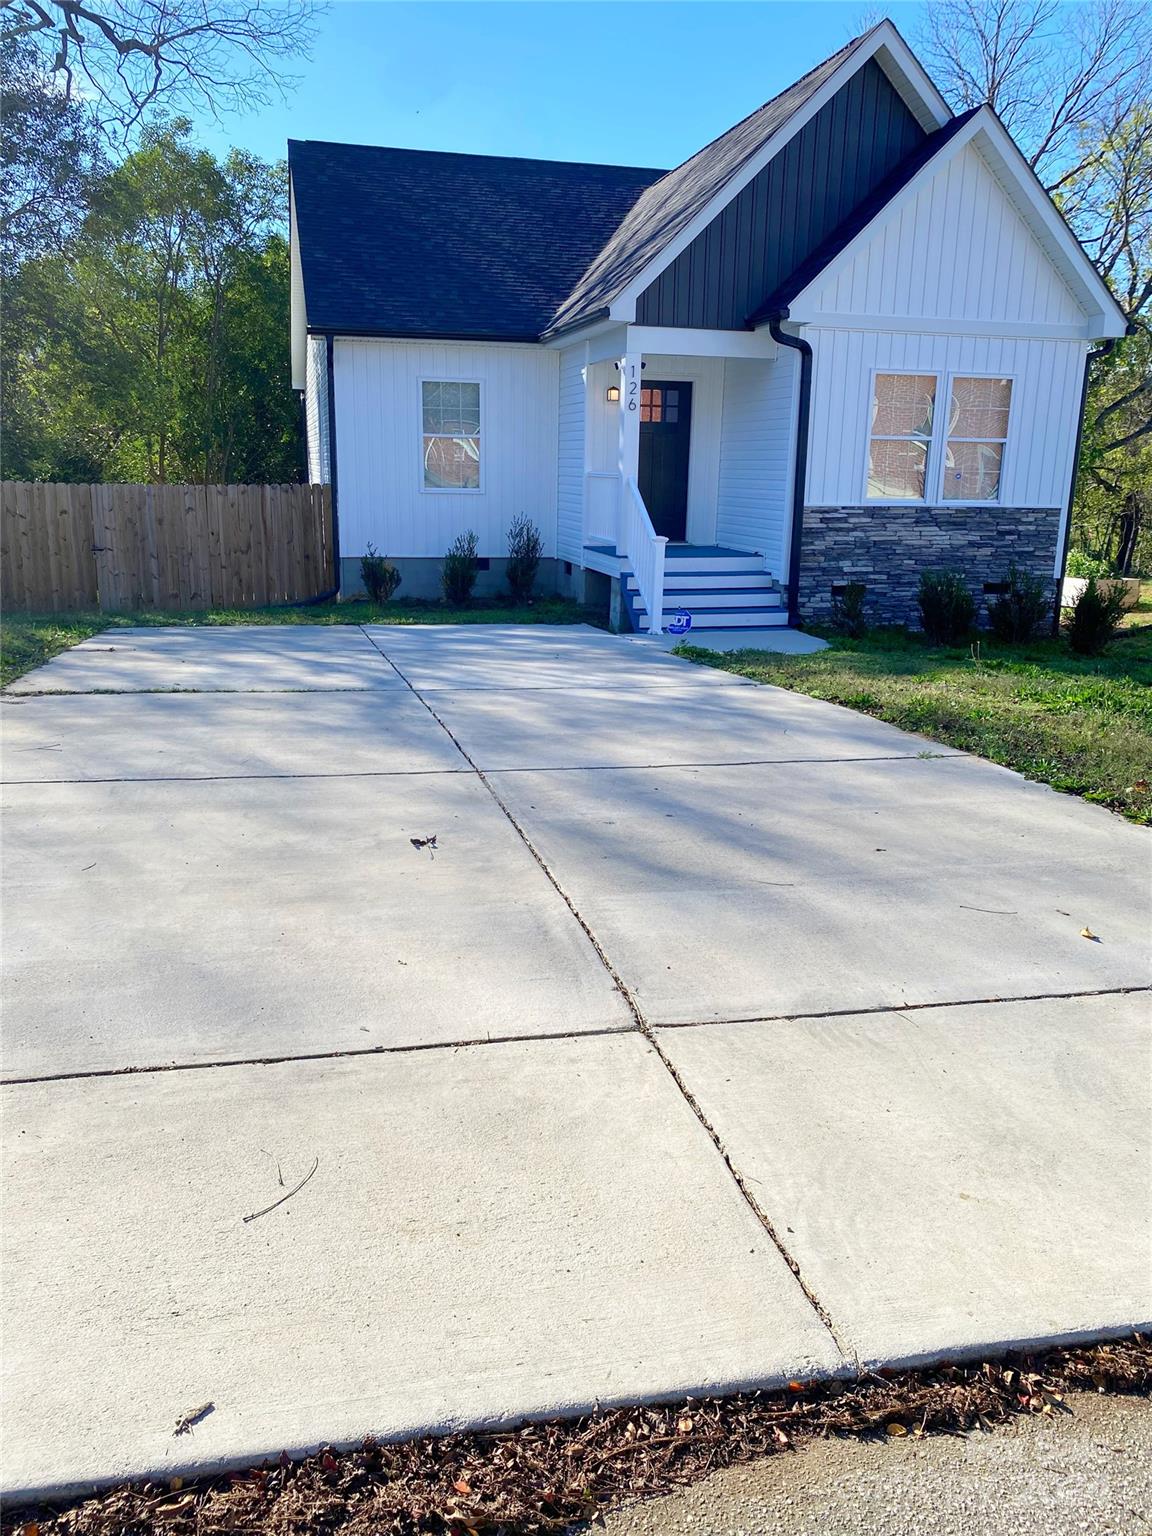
(131, 56)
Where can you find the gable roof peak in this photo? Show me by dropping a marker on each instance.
(667, 214)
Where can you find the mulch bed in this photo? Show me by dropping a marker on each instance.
(543, 1477)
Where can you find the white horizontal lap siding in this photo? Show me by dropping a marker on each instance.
(957, 250)
(1046, 383)
(756, 447)
(316, 410)
(570, 456)
(379, 437)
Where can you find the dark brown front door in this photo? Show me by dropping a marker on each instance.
(665, 429)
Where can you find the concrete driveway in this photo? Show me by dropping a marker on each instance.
(723, 1037)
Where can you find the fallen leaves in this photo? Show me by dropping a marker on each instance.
(1086, 933)
(544, 1477)
(188, 1421)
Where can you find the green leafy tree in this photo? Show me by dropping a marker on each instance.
(152, 346)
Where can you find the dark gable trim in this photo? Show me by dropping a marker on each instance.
(768, 229)
(859, 219)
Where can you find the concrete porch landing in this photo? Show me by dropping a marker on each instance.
(788, 642)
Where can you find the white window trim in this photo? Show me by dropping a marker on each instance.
(938, 442)
(448, 490)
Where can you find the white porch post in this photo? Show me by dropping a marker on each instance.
(628, 429)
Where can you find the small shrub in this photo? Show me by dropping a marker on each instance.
(525, 546)
(1017, 614)
(1094, 617)
(458, 576)
(1081, 564)
(848, 610)
(947, 609)
(379, 575)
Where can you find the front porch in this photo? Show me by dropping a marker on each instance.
(720, 589)
(687, 451)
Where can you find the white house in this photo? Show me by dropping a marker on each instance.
(846, 341)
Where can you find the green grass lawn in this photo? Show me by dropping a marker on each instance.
(1082, 725)
(29, 640)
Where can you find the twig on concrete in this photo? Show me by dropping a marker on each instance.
(295, 1190)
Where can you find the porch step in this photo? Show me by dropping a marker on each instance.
(722, 618)
(702, 599)
(700, 581)
(676, 560)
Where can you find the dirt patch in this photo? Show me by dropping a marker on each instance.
(542, 1477)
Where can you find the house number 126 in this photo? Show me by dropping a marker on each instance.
(633, 389)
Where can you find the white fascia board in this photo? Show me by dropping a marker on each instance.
(912, 81)
(884, 44)
(1103, 316)
(674, 341)
(298, 318)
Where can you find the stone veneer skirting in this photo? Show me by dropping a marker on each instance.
(887, 548)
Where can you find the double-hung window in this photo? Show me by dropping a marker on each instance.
(977, 432)
(450, 412)
(918, 452)
(903, 414)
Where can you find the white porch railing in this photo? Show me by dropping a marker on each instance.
(643, 549)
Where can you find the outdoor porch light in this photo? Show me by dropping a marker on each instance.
(612, 393)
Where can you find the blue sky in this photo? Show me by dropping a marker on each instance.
(609, 80)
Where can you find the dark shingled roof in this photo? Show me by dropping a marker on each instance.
(404, 242)
(860, 217)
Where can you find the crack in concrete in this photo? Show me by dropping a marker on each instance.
(642, 1027)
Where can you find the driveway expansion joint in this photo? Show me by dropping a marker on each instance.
(476, 1041)
(411, 1049)
(642, 1025)
(960, 1002)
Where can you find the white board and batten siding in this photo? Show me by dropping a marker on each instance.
(1046, 378)
(379, 441)
(956, 250)
(952, 280)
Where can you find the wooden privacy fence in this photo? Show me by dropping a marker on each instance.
(120, 547)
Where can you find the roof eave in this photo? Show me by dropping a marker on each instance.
(368, 333)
